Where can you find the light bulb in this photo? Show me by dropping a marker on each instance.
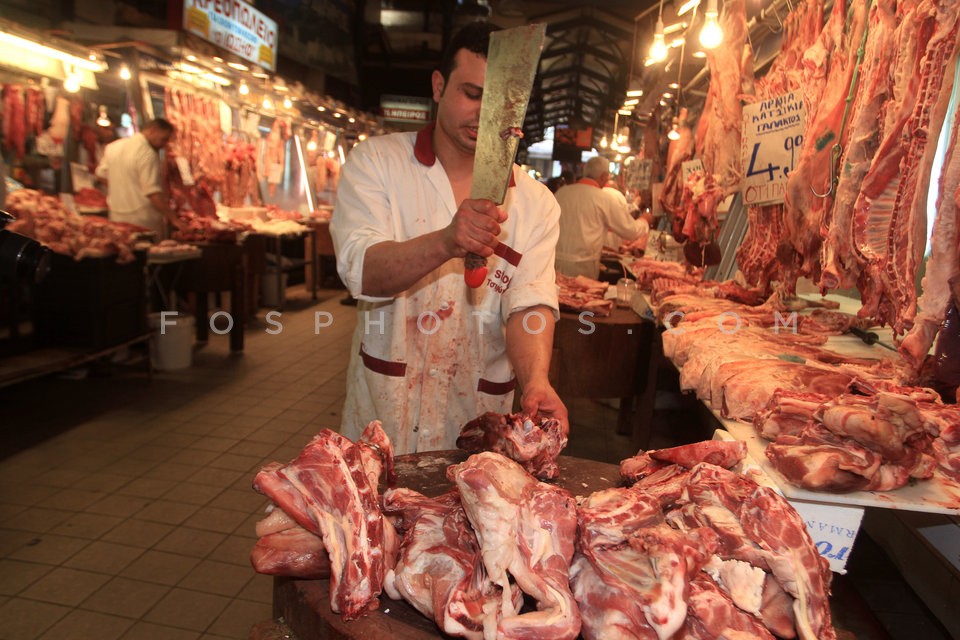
(603, 141)
(312, 145)
(711, 35)
(674, 131)
(124, 72)
(72, 83)
(362, 137)
(287, 104)
(103, 120)
(658, 50)
(267, 103)
(244, 89)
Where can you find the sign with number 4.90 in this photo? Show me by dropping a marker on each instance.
(772, 138)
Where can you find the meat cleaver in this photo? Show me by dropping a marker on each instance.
(512, 60)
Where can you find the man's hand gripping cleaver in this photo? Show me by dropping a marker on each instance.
(512, 60)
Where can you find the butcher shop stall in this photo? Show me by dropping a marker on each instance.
(251, 173)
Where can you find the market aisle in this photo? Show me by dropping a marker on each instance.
(125, 506)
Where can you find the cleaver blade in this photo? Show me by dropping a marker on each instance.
(512, 60)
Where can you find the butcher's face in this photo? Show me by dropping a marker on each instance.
(458, 100)
(158, 138)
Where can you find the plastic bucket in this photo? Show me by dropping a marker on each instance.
(171, 342)
(270, 296)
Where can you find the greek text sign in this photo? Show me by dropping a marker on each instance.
(772, 136)
(235, 26)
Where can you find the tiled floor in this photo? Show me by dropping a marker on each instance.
(126, 508)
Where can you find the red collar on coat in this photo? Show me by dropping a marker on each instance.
(589, 181)
(424, 153)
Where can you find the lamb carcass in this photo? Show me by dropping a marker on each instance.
(526, 530)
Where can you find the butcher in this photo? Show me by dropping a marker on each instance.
(131, 169)
(429, 354)
(588, 210)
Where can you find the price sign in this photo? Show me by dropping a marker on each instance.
(772, 136)
(689, 166)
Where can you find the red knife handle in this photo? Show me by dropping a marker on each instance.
(474, 270)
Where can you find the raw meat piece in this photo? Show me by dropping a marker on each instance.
(14, 126)
(741, 389)
(526, 530)
(534, 446)
(943, 266)
(439, 570)
(326, 490)
(840, 268)
(284, 548)
(788, 413)
(722, 453)
(767, 532)
(635, 563)
(714, 615)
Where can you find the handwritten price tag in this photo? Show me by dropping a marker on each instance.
(772, 138)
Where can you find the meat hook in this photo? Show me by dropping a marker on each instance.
(835, 154)
(837, 149)
(765, 13)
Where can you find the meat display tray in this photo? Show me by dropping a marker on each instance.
(938, 494)
(305, 604)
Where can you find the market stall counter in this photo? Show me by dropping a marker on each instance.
(609, 357)
(220, 268)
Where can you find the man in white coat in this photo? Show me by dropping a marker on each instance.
(587, 212)
(131, 168)
(430, 354)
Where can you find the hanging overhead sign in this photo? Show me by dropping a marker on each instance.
(235, 26)
(772, 134)
(410, 109)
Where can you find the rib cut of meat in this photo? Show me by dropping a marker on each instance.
(741, 389)
(722, 453)
(327, 491)
(535, 445)
(714, 615)
(526, 530)
(439, 570)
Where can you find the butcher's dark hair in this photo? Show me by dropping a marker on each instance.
(159, 123)
(474, 37)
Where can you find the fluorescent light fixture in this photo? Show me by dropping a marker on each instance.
(632, 102)
(186, 67)
(50, 52)
(699, 54)
(667, 95)
(677, 42)
(673, 85)
(636, 93)
(687, 6)
(220, 80)
(218, 59)
(192, 58)
(673, 28)
(239, 66)
(624, 112)
(218, 69)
